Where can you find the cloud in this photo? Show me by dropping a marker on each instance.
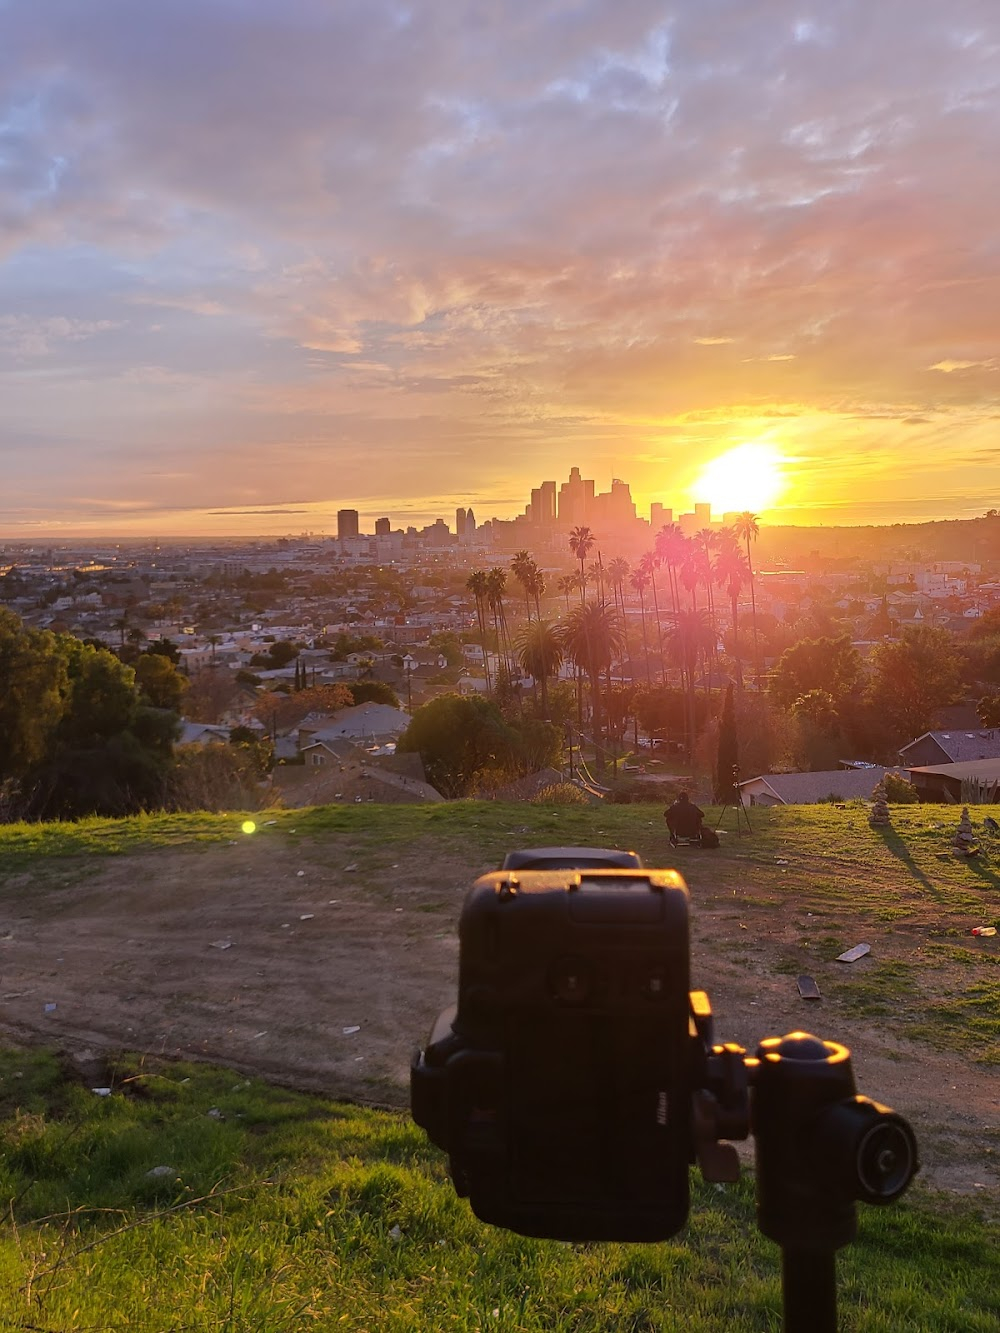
(380, 226)
(948, 367)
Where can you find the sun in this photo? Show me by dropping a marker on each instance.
(748, 477)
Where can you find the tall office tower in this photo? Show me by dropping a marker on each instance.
(347, 523)
(382, 527)
(535, 507)
(658, 516)
(572, 500)
(470, 522)
(460, 521)
(702, 515)
(548, 510)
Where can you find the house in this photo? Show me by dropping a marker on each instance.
(811, 788)
(951, 747)
(201, 733)
(958, 782)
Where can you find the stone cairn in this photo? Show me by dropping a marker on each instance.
(879, 817)
(964, 841)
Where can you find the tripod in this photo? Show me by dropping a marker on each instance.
(734, 800)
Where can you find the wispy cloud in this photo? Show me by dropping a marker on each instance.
(374, 239)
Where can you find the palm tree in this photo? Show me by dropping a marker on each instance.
(747, 527)
(617, 574)
(496, 586)
(705, 542)
(671, 547)
(581, 539)
(640, 582)
(691, 637)
(648, 566)
(567, 584)
(540, 654)
(535, 586)
(592, 638)
(477, 585)
(730, 571)
(521, 566)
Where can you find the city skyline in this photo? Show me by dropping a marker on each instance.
(259, 266)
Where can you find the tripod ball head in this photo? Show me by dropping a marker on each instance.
(820, 1147)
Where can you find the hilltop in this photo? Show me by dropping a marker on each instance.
(183, 936)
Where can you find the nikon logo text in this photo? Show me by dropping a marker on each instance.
(661, 1108)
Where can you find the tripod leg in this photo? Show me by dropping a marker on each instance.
(809, 1290)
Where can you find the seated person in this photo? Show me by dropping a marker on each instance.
(683, 819)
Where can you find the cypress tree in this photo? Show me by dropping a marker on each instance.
(728, 753)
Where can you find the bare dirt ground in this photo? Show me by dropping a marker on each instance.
(323, 972)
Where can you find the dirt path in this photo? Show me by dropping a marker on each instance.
(297, 963)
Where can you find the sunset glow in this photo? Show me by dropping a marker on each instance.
(748, 477)
(262, 262)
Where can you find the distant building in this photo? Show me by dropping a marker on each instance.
(347, 523)
(460, 521)
(382, 527)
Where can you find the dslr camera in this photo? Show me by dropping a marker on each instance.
(577, 1079)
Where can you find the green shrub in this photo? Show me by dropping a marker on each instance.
(898, 791)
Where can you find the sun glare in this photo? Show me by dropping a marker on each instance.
(747, 477)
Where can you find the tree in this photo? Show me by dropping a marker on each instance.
(913, 678)
(747, 528)
(539, 653)
(457, 739)
(373, 692)
(988, 710)
(159, 681)
(581, 540)
(592, 638)
(690, 640)
(640, 582)
(477, 584)
(647, 567)
(728, 759)
(523, 567)
(730, 569)
(282, 712)
(496, 587)
(33, 687)
(829, 664)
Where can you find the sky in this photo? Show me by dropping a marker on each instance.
(260, 261)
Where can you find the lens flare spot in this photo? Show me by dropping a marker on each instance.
(248, 826)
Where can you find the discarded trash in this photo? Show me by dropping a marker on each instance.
(50, 1008)
(808, 988)
(221, 944)
(300, 873)
(352, 866)
(395, 1233)
(101, 1092)
(780, 861)
(269, 821)
(984, 930)
(349, 1032)
(285, 925)
(159, 1171)
(215, 1114)
(307, 916)
(852, 955)
(259, 1034)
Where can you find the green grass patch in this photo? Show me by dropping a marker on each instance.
(283, 1211)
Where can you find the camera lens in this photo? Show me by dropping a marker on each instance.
(886, 1159)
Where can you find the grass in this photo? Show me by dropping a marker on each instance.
(285, 1212)
(818, 876)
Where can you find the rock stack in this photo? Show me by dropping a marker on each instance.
(879, 817)
(964, 841)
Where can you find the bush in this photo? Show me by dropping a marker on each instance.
(560, 793)
(898, 791)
